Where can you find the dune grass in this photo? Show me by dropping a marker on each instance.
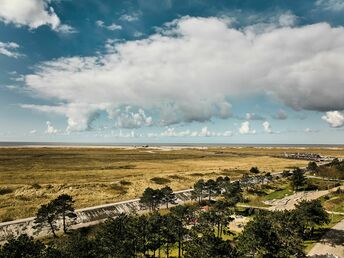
(96, 176)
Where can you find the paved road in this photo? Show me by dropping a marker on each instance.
(332, 243)
(288, 203)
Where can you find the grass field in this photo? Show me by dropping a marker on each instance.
(30, 177)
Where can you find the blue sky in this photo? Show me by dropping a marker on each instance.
(191, 71)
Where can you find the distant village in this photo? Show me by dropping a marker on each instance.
(308, 156)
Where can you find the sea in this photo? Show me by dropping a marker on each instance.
(93, 144)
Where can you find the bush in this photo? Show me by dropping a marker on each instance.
(176, 177)
(6, 190)
(160, 180)
(36, 186)
(254, 170)
(124, 182)
(311, 187)
(286, 173)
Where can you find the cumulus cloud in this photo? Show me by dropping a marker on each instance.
(246, 129)
(50, 129)
(334, 118)
(267, 127)
(9, 49)
(111, 27)
(129, 119)
(331, 5)
(253, 116)
(281, 115)
(79, 116)
(287, 19)
(130, 17)
(204, 132)
(186, 71)
(31, 13)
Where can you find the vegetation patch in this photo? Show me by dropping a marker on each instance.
(279, 194)
(6, 190)
(160, 180)
(119, 188)
(125, 182)
(177, 177)
(36, 186)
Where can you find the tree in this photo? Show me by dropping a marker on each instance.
(168, 196)
(286, 173)
(271, 235)
(233, 193)
(211, 188)
(183, 215)
(116, 238)
(151, 198)
(199, 188)
(64, 208)
(169, 232)
(78, 245)
(254, 170)
(312, 166)
(298, 178)
(311, 213)
(209, 246)
(47, 216)
(22, 247)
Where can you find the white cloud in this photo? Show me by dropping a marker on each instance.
(287, 19)
(79, 116)
(204, 132)
(33, 131)
(267, 127)
(50, 129)
(281, 115)
(9, 49)
(130, 17)
(31, 13)
(111, 27)
(253, 116)
(246, 129)
(334, 118)
(129, 119)
(67, 29)
(331, 5)
(310, 130)
(137, 34)
(186, 71)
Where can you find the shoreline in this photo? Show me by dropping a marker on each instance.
(174, 146)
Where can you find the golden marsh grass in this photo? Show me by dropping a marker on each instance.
(34, 176)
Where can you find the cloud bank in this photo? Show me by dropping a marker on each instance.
(186, 71)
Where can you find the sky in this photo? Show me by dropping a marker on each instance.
(172, 71)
